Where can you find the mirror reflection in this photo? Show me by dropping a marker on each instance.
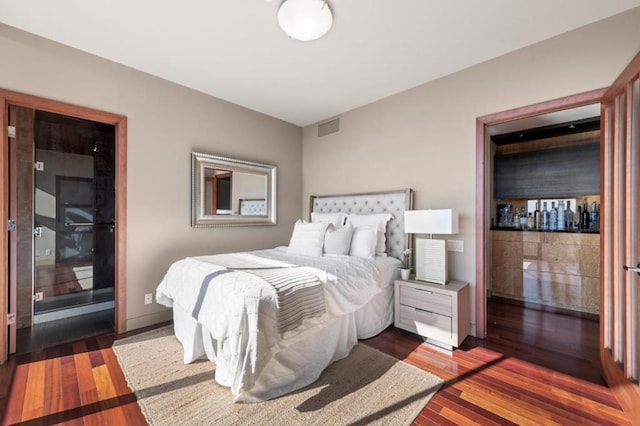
(228, 192)
(231, 192)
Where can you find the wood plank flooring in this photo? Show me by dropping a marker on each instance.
(79, 383)
(486, 387)
(565, 343)
(82, 384)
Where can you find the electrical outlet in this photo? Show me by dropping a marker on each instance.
(148, 298)
(455, 245)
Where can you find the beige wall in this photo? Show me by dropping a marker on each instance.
(165, 123)
(424, 138)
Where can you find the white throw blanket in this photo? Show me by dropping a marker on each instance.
(298, 292)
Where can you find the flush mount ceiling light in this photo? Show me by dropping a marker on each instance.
(305, 20)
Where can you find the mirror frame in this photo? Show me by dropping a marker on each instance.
(199, 219)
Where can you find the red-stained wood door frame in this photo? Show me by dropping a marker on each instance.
(620, 164)
(483, 180)
(618, 235)
(13, 98)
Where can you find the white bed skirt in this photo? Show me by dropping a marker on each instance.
(376, 315)
(301, 361)
(290, 368)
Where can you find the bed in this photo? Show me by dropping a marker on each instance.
(239, 310)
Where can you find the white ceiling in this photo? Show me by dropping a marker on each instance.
(234, 49)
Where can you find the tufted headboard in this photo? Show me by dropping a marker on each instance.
(394, 202)
(252, 206)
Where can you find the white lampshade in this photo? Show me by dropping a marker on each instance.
(431, 255)
(305, 20)
(440, 221)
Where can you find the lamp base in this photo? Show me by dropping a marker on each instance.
(431, 260)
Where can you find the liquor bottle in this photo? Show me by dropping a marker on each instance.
(585, 216)
(593, 217)
(578, 217)
(523, 218)
(568, 216)
(516, 218)
(530, 221)
(544, 216)
(553, 217)
(536, 216)
(560, 215)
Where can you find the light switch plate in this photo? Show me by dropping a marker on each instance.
(455, 245)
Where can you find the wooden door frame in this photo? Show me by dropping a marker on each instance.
(483, 180)
(7, 98)
(625, 391)
(216, 178)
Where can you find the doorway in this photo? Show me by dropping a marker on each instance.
(484, 176)
(64, 207)
(528, 346)
(620, 191)
(543, 297)
(62, 196)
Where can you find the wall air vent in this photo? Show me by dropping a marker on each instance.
(328, 127)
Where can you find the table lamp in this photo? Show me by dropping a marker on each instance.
(431, 255)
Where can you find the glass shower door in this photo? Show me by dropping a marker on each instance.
(73, 219)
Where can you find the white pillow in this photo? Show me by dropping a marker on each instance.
(378, 221)
(337, 241)
(363, 242)
(336, 219)
(307, 238)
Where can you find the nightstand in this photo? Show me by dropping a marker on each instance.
(439, 313)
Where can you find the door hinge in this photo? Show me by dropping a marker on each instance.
(11, 131)
(11, 225)
(11, 319)
(38, 296)
(39, 166)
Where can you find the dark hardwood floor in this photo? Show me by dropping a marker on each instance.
(78, 383)
(487, 387)
(82, 383)
(567, 343)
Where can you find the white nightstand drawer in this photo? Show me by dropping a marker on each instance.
(425, 323)
(426, 300)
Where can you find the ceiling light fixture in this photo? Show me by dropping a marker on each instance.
(305, 20)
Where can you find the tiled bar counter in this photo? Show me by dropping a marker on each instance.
(560, 269)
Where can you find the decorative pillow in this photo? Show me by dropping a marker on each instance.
(337, 241)
(307, 238)
(378, 221)
(363, 242)
(336, 219)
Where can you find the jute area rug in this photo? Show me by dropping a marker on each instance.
(367, 387)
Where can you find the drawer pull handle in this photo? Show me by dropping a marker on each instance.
(422, 310)
(424, 291)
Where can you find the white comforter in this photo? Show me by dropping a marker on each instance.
(240, 313)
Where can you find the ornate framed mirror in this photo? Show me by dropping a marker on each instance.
(231, 192)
